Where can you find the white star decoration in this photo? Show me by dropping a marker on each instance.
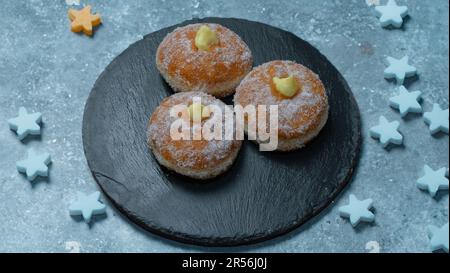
(433, 181)
(399, 69)
(387, 132)
(438, 237)
(391, 14)
(26, 124)
(357, 210)
(406, 101)
(437, 119)
(35, 165)
(87, 205)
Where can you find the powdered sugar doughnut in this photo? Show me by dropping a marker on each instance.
(217, 71)
(301, 117)
(200, 159)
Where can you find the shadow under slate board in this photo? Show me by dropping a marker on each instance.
(263, 195)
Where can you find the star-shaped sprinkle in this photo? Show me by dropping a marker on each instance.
(438, 237)
(406, 102)
(433, 181)
(387, 132)
(437, 119)
(35, 165)
(73, 2)
(399, 69)
(391, 14)
(26, 124)
(87, 205)
(84, 20)
(357, 210)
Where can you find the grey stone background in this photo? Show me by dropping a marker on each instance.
(45, 67)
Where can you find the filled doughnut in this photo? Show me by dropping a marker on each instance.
(203, 57)
(298, 92)
(196, 158)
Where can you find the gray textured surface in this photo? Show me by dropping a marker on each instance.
(47, 68)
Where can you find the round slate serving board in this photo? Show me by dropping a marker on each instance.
(263, 195)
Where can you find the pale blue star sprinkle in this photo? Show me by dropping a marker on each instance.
(406, 102)
(387, 132)
(399, 69)
(26, 124)
(437, 119)
(391, 14)
(35, 165)
(87, 205)
(433, 181)
(357, 210)
(438, 237)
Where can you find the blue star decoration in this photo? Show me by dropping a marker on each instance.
(438, 237)
(357, 210)
(26, 124)
(437, 119)
(391, 14)
(399, 69)
(406, 102)
(35, 165)
(387, 132)
(433, 181)
(87, 205)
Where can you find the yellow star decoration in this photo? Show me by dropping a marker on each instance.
(83, 20)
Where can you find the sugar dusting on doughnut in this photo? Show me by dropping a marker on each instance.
(217, 71)
(299, 116)
(189, 156)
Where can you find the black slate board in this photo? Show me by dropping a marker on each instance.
(264, 194)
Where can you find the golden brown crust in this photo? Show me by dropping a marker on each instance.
(217, 71)
(302, 116)
(196, 158)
